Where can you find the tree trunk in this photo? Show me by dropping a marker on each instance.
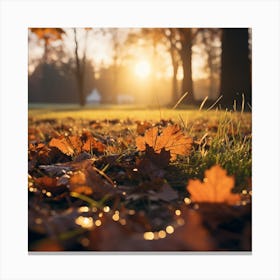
(186, 57)
(79, 72)
(210, 55)
(175, 67)
(236, 68)
(211, 93)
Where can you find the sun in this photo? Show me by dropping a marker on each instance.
(142, 69)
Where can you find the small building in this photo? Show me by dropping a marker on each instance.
(94, 97)
(125, 99)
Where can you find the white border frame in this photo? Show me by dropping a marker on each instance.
(17, 16)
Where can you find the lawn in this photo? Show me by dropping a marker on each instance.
(123, 178)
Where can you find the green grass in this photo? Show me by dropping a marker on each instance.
(221, 137)
(232, 151)
(123, 112)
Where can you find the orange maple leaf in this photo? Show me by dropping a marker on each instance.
(216, 187)
(171, 139)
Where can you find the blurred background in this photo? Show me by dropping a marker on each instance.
(141, 66)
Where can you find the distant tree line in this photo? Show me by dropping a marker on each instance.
(228, 59)
(56, 82)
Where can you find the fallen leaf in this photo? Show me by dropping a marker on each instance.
(83, 156)
(171, 139)
(216, 187)
(152, 164)
(228, 225)
(64, 144)
(148, 169)
(49, 184)
(78, 183)
(91, 144)
(160, 159)
(41, 154)
(142, 127)
(55, 169)
(74, 145)
(88, 180)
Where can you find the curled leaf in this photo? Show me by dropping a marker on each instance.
(66, 145)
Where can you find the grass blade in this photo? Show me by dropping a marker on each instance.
(215, 103)
(203, 102)
(180, 100)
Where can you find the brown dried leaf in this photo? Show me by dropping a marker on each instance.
(74, 145)
(88, 181)
(230, 226)
(160, 159)
(55, 169)
(78, 183)
(63, 144)
(171, 139)
(49, 184)
(90, 143)
(148, 169)
(142, 127)
(216, 187)
(149, 138)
